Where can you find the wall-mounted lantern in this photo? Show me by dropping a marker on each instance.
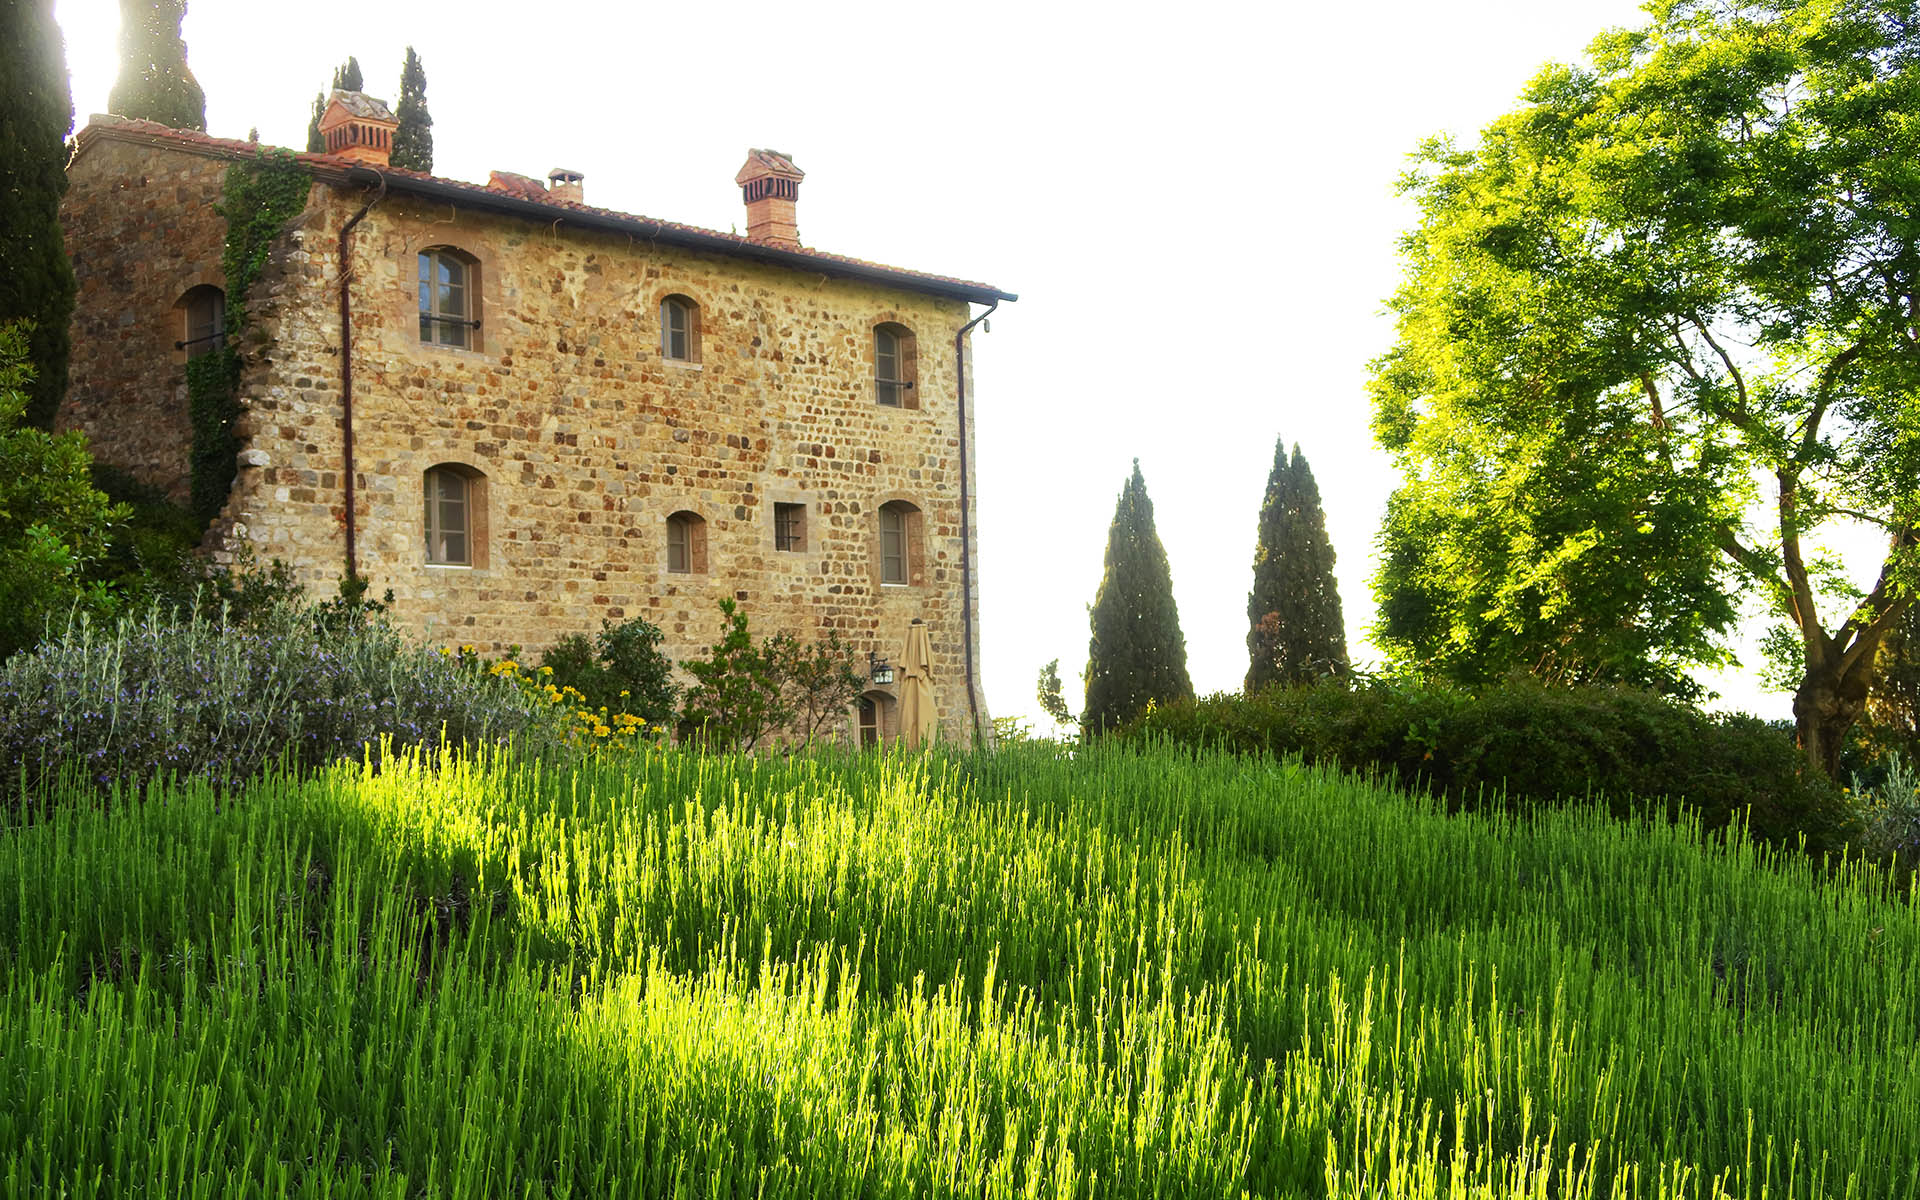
(879, 670)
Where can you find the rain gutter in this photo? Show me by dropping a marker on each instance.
(346, 365)
(966, 511)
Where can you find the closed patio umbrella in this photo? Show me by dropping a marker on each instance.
(919, 719)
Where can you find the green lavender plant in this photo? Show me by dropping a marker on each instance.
(1137, 971)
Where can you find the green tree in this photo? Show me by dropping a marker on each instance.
(1295, 630)
(36, 281)
(1137, 655)
(154, 83)
(817, 680)
(1052, 695)
(346, 77)
(53, 523)
(736, 698)
(413, 140)
(1685, 268)
(1893, 706)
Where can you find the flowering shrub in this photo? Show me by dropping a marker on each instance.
(193, 695)
(580, 723)
(622, 667)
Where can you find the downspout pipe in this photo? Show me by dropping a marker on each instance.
(346, 369)
(966, 518)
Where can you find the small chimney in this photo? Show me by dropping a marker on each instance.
(357, 126)
(565, 184)
(770, 185)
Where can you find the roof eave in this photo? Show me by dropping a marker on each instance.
(663, 232)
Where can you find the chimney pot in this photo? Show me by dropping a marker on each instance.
(359, 127)
(566, 184)
(770, 186)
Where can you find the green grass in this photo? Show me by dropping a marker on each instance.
(1132, 973)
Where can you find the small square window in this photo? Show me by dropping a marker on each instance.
(790, 527)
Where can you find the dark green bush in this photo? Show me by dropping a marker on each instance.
(1519, 744)
(622, 669)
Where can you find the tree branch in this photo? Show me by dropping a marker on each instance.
(1755, 564)
(1805, 615)
(1823, 396)
(1742, 414)
(1875, 615)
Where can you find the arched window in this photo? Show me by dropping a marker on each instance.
(449, 298)
(894, 366)
(900, 550)
(204, 310)
(456, 516)
(687, 544)
(679, 329)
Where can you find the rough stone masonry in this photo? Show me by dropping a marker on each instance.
(579, 429)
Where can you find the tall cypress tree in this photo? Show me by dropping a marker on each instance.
(1137, 653)
(413, 140)
(36, 281)
(1295, 630)
(346, 77)
(154, 83)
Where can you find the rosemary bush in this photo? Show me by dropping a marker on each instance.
(192, 694)
(1890, 810)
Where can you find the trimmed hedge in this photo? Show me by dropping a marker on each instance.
(1519, 744)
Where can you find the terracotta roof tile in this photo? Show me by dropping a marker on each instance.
(106, 126)
(359, 104)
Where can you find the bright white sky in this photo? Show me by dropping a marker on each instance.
(1194, 202)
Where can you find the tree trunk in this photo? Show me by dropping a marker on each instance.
(1826, 706)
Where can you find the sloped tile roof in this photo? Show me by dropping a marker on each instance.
(359, 104)
(337, 169)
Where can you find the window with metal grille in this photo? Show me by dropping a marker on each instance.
(790, 527)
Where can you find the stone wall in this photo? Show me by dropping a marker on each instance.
(141, 230)
(589, 439)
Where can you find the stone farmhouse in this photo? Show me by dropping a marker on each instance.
(523, 414)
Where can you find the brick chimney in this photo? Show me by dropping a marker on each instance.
(357, 126)
(770, 184)
(566, 184)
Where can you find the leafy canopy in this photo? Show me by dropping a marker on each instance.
(1677, 284)
(53, 522)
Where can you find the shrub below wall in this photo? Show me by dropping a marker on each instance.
(1518, 744)
(195, 696)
